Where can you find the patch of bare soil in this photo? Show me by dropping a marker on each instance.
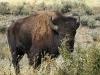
(85, 35)
(82, 35)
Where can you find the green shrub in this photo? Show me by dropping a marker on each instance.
(3, 28)
(95, 35)
(56, 7)
(3, 42)
(84, 21)
(43, 74)
(97, 17)
(95, 60)
(91, 23)
(75, 12)
(42, 6)
(23, 9)
(66, 7)
(18, 10)
(86, 61)
(68, 60)
(26, 11)
(3, 48)
(83, 5)
(73, 65)
(89, 10)
(4, 8)
(75, 5)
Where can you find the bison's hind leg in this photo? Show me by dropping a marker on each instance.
(38, 61)
(16, 57)
(15, 60)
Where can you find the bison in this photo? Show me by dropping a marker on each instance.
(39, 34)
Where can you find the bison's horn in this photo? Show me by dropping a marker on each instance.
(54, 27)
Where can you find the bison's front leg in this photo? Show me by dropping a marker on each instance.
(34, 57)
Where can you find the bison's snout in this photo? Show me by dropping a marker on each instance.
(70, 45)
(71, 50)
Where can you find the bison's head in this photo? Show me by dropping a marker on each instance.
(66, 28)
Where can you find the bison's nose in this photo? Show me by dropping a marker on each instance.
(70, 45)
(71, 50)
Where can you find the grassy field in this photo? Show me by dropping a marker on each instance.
(88, 2)
(85, 60)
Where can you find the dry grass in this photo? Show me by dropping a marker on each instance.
(92, 3)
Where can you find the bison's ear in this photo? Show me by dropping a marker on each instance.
(53, 27)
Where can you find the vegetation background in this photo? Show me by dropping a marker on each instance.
(85, 60)
(88, 2)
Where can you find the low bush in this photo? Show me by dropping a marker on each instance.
(97, 17)
(4, 8)
(18, 10)
(95, 60)
(3, 28)
(3, 48)
(75, 5)
(56, 7)
(89, 10)
(42, 6)
(95, 35)
(75, 12)
(22, 9)
(26, 11)
(66, 7)
(88, 21)
(84, 21)
(84, 62)
(91, 22)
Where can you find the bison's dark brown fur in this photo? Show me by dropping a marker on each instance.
(40, 32)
